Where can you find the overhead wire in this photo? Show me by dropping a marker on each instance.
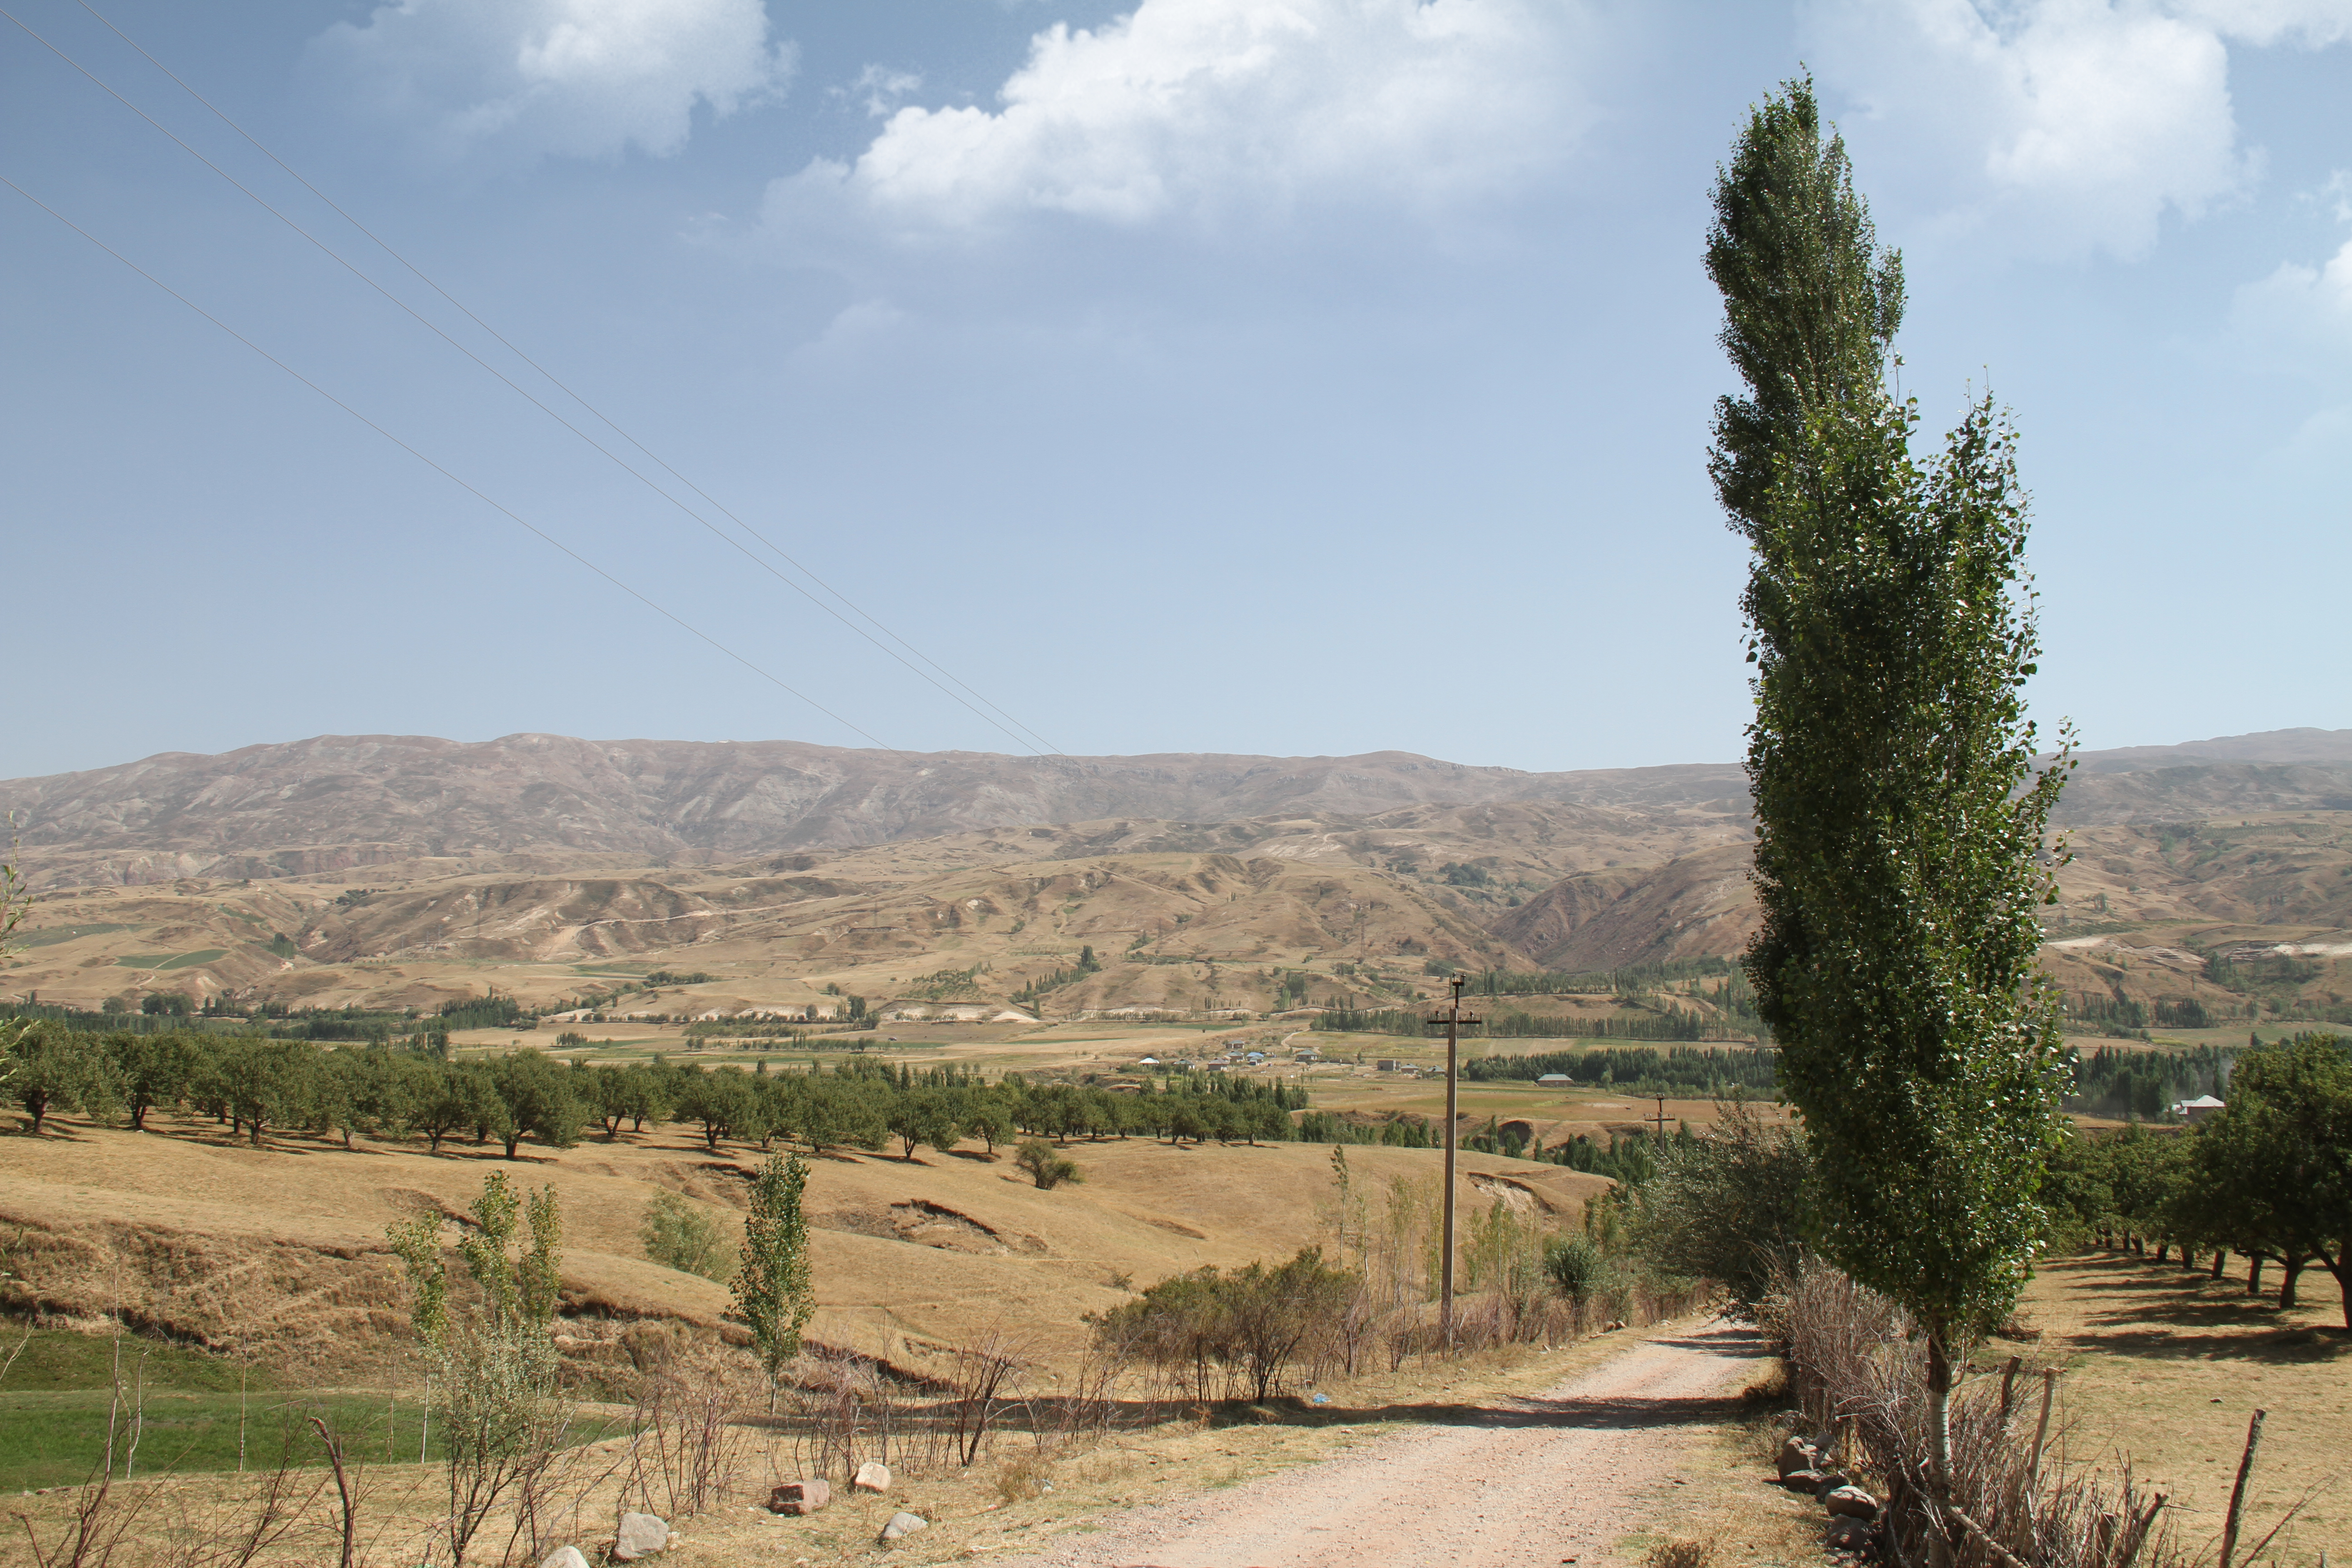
(996, 717)
(500, 507)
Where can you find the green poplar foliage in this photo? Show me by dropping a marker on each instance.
(774, 1291)
(1900, 850)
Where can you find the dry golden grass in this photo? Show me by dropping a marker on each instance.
(2167, 1366)
(281, 1249)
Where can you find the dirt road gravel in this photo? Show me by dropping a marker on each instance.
(1535, 1482)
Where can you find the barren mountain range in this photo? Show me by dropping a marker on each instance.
(382, 861)
(336, 803)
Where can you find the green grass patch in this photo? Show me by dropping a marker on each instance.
(58, 1393)
(59, 1438)
(56, 1360)
(48, 936)
(169, 960)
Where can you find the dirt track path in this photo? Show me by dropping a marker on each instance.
(1532, 1483)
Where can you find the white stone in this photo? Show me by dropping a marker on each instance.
(640, 1535)
(873, 1475)
(565, 1557)
(902, 1525)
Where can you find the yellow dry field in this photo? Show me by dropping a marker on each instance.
(2167, 1366)
(193, 1233)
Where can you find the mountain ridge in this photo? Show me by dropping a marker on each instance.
(340, 802)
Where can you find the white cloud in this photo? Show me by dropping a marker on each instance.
(2301, 313)
(521, 78)
(2310, 23)
(2051, 127)
(882, 87)
(1212, 114)
(2336, 191)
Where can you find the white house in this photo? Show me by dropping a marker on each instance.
(2197, 1110)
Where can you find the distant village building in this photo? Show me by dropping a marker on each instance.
(1557, 1079)
(2195, 1110)
(1388, 1064)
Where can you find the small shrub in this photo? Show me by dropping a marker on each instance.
(681, 1234)
(1047, 1168)
(1573, 1264)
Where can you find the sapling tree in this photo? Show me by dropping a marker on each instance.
(1900, 819)
(774, 1293)
(492, 1350)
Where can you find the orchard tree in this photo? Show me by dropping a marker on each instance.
(1900, 821)
(46, 1067)
(2278, 1157)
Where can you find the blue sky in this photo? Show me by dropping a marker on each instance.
(1298, 376)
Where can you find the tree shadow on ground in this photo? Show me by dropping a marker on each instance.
(2193, 1316)
(2278, 1346)
(1613, 1412)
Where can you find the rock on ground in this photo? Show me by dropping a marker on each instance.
(800, 1497)
(565, 1557)
(873, 1475)
(1849, 1502)
(640, 1535)
(902, 1525)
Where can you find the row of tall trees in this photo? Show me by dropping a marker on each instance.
(2268, 1177)
(260, 1087)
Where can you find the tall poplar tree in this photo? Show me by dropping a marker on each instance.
(1900, 821)
(1809, 304)
(773, 1287)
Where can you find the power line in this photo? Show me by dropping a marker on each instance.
(995, 716)
(462, 484)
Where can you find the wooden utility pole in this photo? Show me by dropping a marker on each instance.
(1660, 1119)
(1454, 1020)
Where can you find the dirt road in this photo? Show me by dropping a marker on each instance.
(1531, 1484)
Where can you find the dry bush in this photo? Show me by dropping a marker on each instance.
(687, 1435)
(985, 1378)
(1859, 1376)
(1679, 1553)
(837, 1410)
(1025, 1475)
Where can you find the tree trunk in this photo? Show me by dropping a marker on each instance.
(1939, 1419)
(511, 1141)
(2290, 1270)
(2255, 1274)
(2220, 1259)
